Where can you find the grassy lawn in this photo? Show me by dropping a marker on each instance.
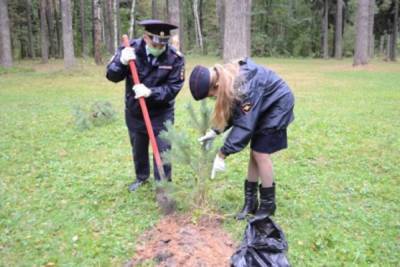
(63, 192)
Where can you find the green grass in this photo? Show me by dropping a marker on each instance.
(63, 196)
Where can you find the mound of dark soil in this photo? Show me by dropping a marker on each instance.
(177, 241)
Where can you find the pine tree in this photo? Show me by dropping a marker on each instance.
(185, 151)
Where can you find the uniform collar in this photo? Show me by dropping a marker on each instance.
(248, 68)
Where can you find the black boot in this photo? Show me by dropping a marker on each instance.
(267, 203)
(135, 185)
(250, 200)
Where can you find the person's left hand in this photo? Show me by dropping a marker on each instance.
(218, 165)
(141, 90)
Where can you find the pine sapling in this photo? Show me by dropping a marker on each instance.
(186, 150)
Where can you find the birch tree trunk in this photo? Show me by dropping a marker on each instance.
(235, 33)
(325, 49)
(31, 42)
(199, 35)
(44, 35)
(68, 41)
(361, 45)
(371, 37)
(338, 29)
(83, 29)
(133, 21)
(5, 37)
(97, 31)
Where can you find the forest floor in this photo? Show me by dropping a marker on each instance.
(63, 192)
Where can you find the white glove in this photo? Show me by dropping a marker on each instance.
(218, 166)
(127, 54)
(207, 139)
(141, 90)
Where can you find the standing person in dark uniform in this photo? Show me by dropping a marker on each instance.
(161, 73)
(258, 107)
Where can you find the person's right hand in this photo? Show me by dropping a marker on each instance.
(128, 53)
(207, 139)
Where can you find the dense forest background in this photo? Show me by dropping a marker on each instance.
(279, 28)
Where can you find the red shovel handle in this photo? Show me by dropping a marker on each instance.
(145, 112)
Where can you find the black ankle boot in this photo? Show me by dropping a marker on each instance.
(250, 200)
(136, 184)
(267, 203)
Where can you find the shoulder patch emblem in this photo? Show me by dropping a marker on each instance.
(246, 107)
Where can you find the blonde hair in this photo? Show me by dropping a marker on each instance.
(226, 96)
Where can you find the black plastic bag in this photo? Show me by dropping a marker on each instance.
(264, 244)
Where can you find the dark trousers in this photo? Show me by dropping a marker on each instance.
(140, 152)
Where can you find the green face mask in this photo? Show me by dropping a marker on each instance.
(155, 51)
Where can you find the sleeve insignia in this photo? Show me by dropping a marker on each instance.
(165, 67)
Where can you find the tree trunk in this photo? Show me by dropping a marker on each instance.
(388, 46)
(116, 24)
(338, 29)
(83, 29)
(220, 10)
(174, 18)
(44, 35)
(154, 9)
(381, 44)
(51, 26)
(235, 36)
(361, 46)
(371, 37)
(97, 31)
(31, 47)
(325, 50)
(133, 21)
(248, 26)
(68, 41)
(57, 12)
(5, 37)
(103, 21)
(199, 35)
(109, 23)
(174, 14)
(393, 46)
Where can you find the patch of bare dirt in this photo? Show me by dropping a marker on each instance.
(177, 241)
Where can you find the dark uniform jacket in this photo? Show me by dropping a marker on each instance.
(163, 76)
(265, 102)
